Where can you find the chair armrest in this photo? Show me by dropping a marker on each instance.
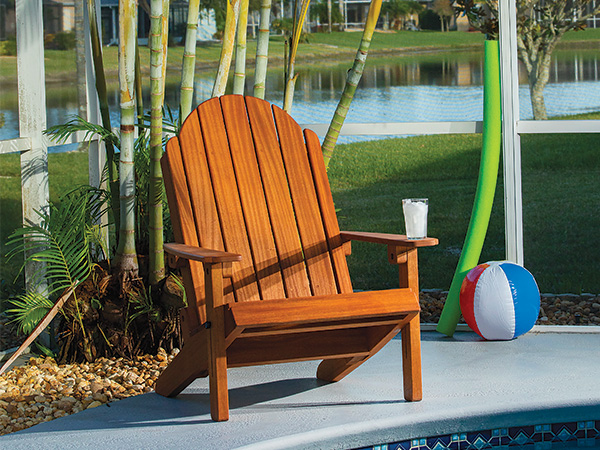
(203, 255)
(387, 239)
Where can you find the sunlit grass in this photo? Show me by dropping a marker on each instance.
(561, 205)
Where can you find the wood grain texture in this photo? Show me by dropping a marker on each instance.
(302, 347)
(356, 306)
(411, 360)
(328, 214)
(252, 197)
(278, 198)
(184, 229)
(190, 363)
(201, 197)
(227, 198)
(306, 207)
(217, 364)
(204, 255)
(388, 239)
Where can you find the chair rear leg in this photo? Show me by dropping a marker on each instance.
(411, 360)
(189, 364)
(335, 369)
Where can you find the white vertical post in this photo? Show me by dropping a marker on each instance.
(511, 141)
(32, 113)
(32, 122)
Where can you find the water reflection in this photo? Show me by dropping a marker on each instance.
(432, 87)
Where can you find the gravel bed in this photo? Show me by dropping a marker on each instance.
(561, 309)
(42, 390)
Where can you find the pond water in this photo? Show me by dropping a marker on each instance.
(428, 87)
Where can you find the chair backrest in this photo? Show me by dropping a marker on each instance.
(243, 177)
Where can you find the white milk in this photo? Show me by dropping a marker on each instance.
(415, 217)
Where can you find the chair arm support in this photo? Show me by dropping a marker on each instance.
(397, 240)
(200, 254)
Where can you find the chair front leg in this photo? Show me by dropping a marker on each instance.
(217, 369)
(411, 360)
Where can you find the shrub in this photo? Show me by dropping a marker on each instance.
(65, 40)
(429, 20)
(8, 47)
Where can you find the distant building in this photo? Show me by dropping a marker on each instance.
(109, 13)
(355, 12)
(59, 16)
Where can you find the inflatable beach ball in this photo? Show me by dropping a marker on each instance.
(500, 300)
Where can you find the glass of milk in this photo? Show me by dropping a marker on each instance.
(415, 217)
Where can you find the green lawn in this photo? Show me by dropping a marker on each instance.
(65, 172)
(370, 179)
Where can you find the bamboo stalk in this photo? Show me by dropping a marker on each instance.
(139, 103)
(354, 76)
(290, 82)
(262, 49)
(239, 73)
(159, 23)
(233, 10)
(189, 61)
(126, 263)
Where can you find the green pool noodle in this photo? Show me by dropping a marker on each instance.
(486, 187)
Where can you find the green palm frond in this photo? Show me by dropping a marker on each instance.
(61, 243)
(170, 122)
(28, 310)
(61, 133)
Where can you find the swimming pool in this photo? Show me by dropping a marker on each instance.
(557, 436)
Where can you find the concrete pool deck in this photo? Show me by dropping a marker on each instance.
(468, 384)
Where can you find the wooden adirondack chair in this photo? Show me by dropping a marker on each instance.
(263, 258)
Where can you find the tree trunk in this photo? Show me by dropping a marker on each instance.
(126, 264)
(537, 64)
(536, 91)
(329, 16)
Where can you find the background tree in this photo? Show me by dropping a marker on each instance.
(540, 26)
(320, 10)
(399, 9)
(444, 9)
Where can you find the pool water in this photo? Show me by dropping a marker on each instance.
(558, 436)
